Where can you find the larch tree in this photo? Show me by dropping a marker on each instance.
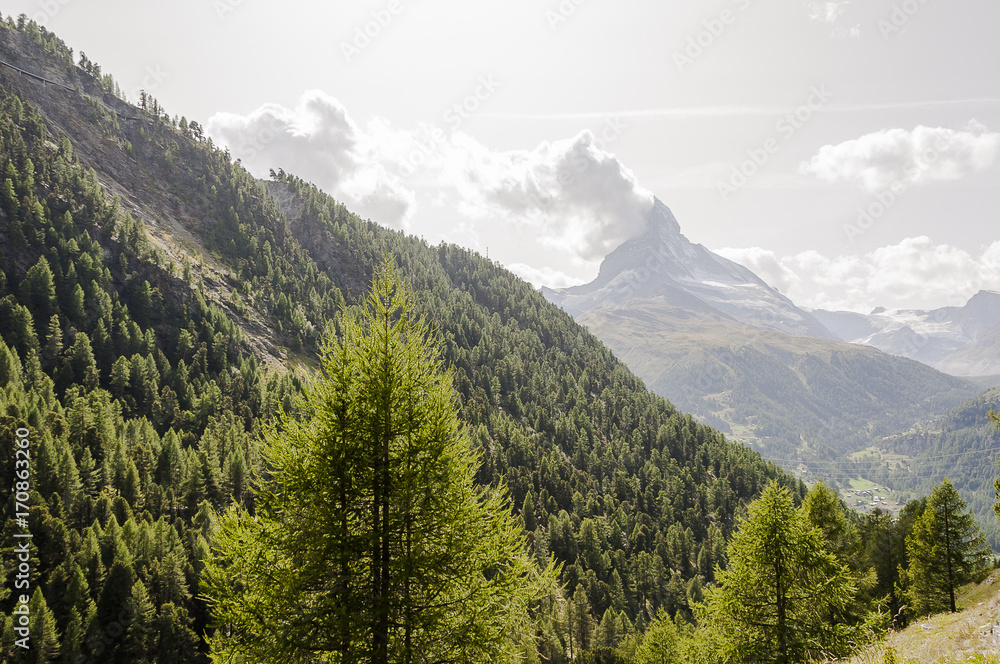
(946, 550)
(660, 643)
(370, 541)
(995, 418)
(774, 601)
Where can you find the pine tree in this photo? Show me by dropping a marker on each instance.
(139, 640)
(660, 642)
(995, 418)
(176, 640)
(44, 637)
(782, 585)
(38, 293)
(73, 639)
(581, 624)
(371, 541)
(824, 510)
(946, 550)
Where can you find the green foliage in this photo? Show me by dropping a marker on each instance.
(960, 446)
(946, 550)
(145, 388)
(834, 398)
(783, 595)
(883, 552)
(661, 642)
(370, 539)
(995, 419)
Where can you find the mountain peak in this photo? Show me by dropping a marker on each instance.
(662, 260)
(662, 220)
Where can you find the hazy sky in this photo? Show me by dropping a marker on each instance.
(867, 131)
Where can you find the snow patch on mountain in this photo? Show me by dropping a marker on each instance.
(944, 338)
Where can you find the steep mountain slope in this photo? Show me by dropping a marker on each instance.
(662, 258)
(717, 341)
(963, 446)
(154, 302)
(790, 397)
(946, 338)
(981, 358)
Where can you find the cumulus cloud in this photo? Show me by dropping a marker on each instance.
(915, 273)
(917, 267)
(577, 197)
(827, 12)
(319, 141)
(564, 204)
(766, 265)
(900, 158)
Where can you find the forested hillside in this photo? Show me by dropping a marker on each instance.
(791, 397)
(962, 446)
(158, 305)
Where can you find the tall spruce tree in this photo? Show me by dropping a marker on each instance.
(946, 550)
(370, 542)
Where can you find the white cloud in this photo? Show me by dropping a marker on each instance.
(853, 32)
(827, 12)
(574, 196)
(900, 158)
(916, 267)
(766, 265)
(564, 204)
(319, 141)
(544, 276)
(915, 273)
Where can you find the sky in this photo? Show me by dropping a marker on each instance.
(845, 151)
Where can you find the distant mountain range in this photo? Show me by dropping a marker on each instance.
(962, 341)
(715, 339)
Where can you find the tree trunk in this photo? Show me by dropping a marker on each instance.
(779, 597)
(947, 550)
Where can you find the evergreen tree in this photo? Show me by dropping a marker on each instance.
(176, 640)
(824, 510)
(44, 637)
(776, 599)
(885, 553)
(946, 550)
(38, 293)
(995, 418)
(581, 624)
(139, 640)
(73, 639)
(660, 644)
(370, 541)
